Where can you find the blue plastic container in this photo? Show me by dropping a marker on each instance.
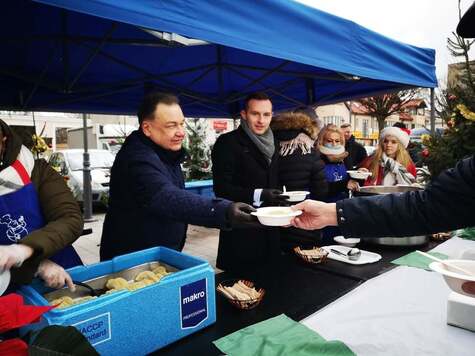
(201, 187)
(138, 322)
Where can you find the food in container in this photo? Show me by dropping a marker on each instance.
(112, 285)
(313, 255)
(241, 293)
(276, 216)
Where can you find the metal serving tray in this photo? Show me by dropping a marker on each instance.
(100, 282)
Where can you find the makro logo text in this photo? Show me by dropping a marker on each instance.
(193, 297)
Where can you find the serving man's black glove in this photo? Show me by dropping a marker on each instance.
(274, 197)
(239, 215)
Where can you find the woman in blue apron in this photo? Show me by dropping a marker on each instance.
(42, 246)
(331, 144)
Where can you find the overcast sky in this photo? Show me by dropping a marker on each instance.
(423, 23)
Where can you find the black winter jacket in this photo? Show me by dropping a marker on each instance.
(300, 168)
(239, 168)
(356, 153)
(448, 203)
(148, 204)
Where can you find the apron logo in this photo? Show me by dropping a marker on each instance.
(16, 228)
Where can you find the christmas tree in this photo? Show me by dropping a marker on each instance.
(457, 109)
(198, 164)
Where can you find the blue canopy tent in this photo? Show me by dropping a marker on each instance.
(101, 55)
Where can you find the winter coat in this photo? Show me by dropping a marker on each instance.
(356, 153)
(148, 205)
(447, 203)
(238, 169)
(60, 210)
(300, 168)
(411, 168)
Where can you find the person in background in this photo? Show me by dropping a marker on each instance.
(245, 168)
(300, 168)
(403, 127)
(148, 203)
(390, 164)
(356, 151)
(413, 148)
(39, 217)
(331, 145)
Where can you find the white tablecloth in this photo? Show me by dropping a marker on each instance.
(402, 312)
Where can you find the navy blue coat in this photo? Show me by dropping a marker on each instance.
(148, 205)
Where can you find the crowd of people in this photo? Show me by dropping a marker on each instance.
(251, 164)
(148, 205)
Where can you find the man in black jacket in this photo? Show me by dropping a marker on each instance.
(356, 151)
(148, 204)
(245, 169)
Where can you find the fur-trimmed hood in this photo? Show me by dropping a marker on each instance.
(295, 122)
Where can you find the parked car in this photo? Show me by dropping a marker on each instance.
(69, 163)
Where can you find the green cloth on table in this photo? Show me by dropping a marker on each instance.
(468, 233)
(279, 336)
(416, 260)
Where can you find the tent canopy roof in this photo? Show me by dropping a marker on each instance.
(100, 55)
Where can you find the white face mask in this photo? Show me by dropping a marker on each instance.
(329, 149)
(333, 147)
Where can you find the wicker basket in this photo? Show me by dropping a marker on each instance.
(242, 304)
(321, 258)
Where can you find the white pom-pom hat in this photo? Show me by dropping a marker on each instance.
(401, 136)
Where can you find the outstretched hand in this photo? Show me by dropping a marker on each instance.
(315, 215)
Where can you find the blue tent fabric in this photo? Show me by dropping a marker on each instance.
(95, 56)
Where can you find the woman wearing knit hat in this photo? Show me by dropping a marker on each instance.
(391, 163)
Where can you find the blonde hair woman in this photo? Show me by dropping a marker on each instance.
(391, 163)
(331, 144)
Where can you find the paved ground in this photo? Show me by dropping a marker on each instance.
(201, 242)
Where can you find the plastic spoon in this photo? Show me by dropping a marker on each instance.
(448, 264)
(352, 254)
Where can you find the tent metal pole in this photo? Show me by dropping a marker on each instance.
(432, 112)
(87, 191)
(309, 83)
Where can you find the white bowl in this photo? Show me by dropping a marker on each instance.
(276, 215)
(296, 195)
(359, 174)
(457, 281)
(351, 242)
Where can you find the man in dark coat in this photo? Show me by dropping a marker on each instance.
(245, 169)
(356, 151)
(148, 205)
